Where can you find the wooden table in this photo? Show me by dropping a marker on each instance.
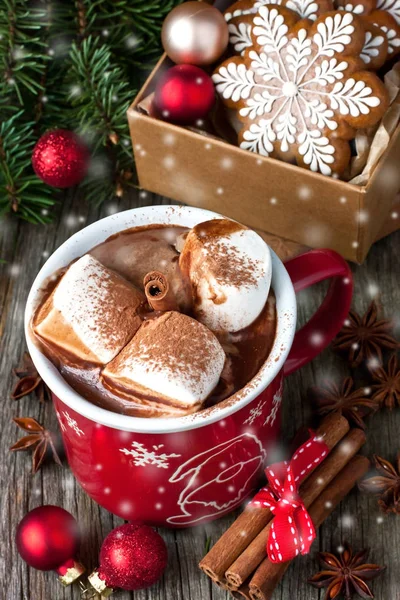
(25, 248)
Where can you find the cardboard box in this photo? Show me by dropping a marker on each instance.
(264, 193)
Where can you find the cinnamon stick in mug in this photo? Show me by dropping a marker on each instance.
(253, 519)
(268, 574)
(254, 554)
(158, 292)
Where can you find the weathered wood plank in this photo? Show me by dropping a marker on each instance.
(26, 247)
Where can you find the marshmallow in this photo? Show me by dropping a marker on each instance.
(91, 314)
(229, 267)
(172, 360)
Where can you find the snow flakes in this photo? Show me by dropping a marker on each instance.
(75, 91)
(347, 521)
(316, 338)
(14, 269)
(227, 163)
(141, 457)
(169, 162)
(373, 290)
(71, 221)
(169, 139)
(132, 41)
(126, 508)
(112, 208)
(292, 91)
(304, 192)
(362, 216)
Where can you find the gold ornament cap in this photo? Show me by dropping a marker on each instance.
(99, 585)
(72, 574)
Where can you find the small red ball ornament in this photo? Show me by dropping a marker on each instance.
(60, 158)
(184, 94)
(132, 557)
(48, 539)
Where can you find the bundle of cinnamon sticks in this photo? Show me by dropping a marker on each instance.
(238, 561)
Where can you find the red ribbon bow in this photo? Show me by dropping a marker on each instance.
(292, 531)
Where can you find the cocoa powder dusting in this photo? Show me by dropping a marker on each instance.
(229, 266)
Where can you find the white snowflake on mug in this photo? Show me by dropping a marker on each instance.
(298, 90)
(60, 421)
(143, 457)
(255, 412)
(72, 424)
(276, 402)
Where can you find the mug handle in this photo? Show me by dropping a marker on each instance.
(305, 270)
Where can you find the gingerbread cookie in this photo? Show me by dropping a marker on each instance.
(384, 14)
(299, 90)
(239, 17)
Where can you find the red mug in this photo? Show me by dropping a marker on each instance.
(183, 471)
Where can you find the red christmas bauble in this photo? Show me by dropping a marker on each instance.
(60, 158)
(48, 538)
(132, 557)
(184, 94)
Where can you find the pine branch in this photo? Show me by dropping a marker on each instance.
(100, 93)
(22, 52)
(20, 190)
(77, 65)
(100, 96)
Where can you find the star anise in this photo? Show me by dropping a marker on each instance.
(386, 485)
(29, 381)
(38, 436)
(352, 404)
(387, 390)
(363, 338)
(345, 575)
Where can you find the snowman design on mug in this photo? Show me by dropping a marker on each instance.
(211, 470)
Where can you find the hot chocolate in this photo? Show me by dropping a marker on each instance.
(161, 320)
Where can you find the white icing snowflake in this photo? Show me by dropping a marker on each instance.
(289, 96)
(72, 424)
(143, 457)
(276, 402)
(255, 413)
(240, 33)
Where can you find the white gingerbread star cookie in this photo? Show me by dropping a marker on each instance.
(299, 90)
